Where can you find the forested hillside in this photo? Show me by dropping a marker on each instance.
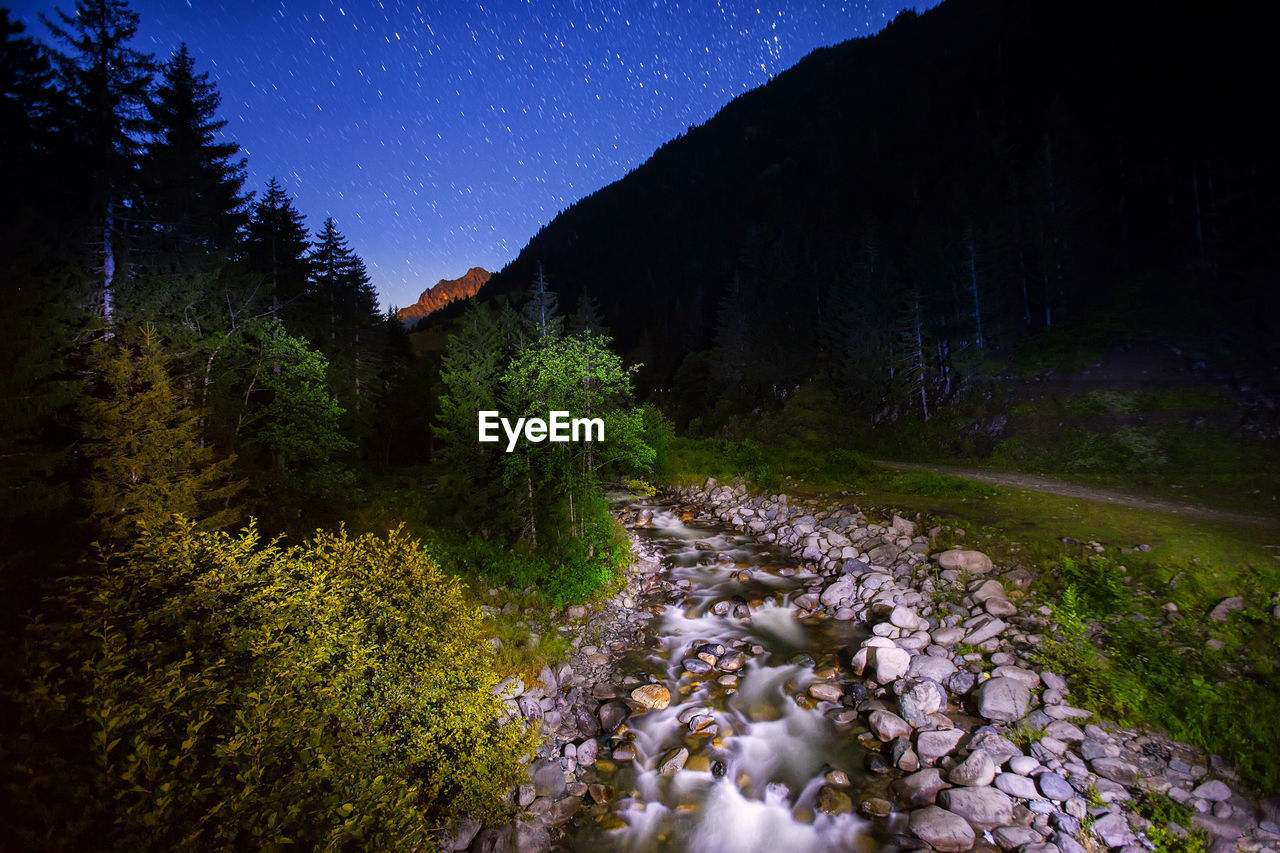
(902, 218)
(194, 383)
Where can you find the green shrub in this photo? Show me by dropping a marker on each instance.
(571, 571)
(209, 691)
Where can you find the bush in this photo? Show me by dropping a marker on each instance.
(210, 691)
(571, 571)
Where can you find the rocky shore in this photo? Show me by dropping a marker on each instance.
(980, 747)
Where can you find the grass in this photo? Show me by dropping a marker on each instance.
(1164, 815)
(1124, 661)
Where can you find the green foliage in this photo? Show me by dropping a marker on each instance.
(580, 569)
(642, 488)
(657, 433)
(146, 453)
(1128, 672)
(297, 419)
(213, 691)
(1162, 812)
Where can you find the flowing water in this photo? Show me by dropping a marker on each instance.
(754, 772)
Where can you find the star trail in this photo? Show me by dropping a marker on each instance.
(442, 136)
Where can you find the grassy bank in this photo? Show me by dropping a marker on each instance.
(1132, 658)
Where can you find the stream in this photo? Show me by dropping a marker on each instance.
(738, 664)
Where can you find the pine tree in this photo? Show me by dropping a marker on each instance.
(276, 247)
(192, 182)
(540, 309)
(143, 444)
(589, 317)
(470, 372)
(106, 82)
(28, 100)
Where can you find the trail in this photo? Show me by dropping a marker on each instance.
(1089, 493)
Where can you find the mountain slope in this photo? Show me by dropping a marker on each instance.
(441, 294)
(893, 208)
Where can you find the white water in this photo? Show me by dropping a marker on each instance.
(771, 751)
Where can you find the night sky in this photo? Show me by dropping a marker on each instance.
(441, 136)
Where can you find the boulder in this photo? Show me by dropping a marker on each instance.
(888, 726)
(924, 697)
(920, 788)
(652, 696)
(890, 664)
(976, 771)
(984, 808)
(942, 830)
(931, 746)
(965, 560)
(1002, 700)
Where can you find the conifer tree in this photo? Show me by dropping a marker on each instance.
(540, 309)
(589, 317)
(470, 372)
(144, 447)
(277, 248)
(192, 182)
(106, 82)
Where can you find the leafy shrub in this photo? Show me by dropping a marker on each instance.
(210, 691)
(575, 571)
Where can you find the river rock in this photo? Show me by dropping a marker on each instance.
(611, 715)
(932, 746)
(925, 697)
(976, 771)
(1054, 787)
(1013, 837)
(927, 666)
(920, 788)
(732, 662)
(890, 663)
(1117, 770)
(1113, 830)
(947, 637)
(1222, 610)
(1003, 700)
(964, 560)
(548, 779)
(1213, 791)
(906, 619)
(673, 761)
(984, 630)
(984, 808)
(1017, 786)
(875, 807)
(826, 691)
(888, 725)
(1001, 607)
(833, 801)
(942, 830)
(842, 589)
(652, 696)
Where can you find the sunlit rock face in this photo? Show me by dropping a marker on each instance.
(444, 292)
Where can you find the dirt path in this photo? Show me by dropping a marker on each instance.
(1073, 490)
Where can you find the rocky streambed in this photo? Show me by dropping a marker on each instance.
(783, 675)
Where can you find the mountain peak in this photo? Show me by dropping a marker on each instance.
(445, 291)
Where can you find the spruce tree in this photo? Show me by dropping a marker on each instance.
(192, 181)
(540, 309)
(142, 440)
(589, 317)
(106, 82)
(277, 248)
